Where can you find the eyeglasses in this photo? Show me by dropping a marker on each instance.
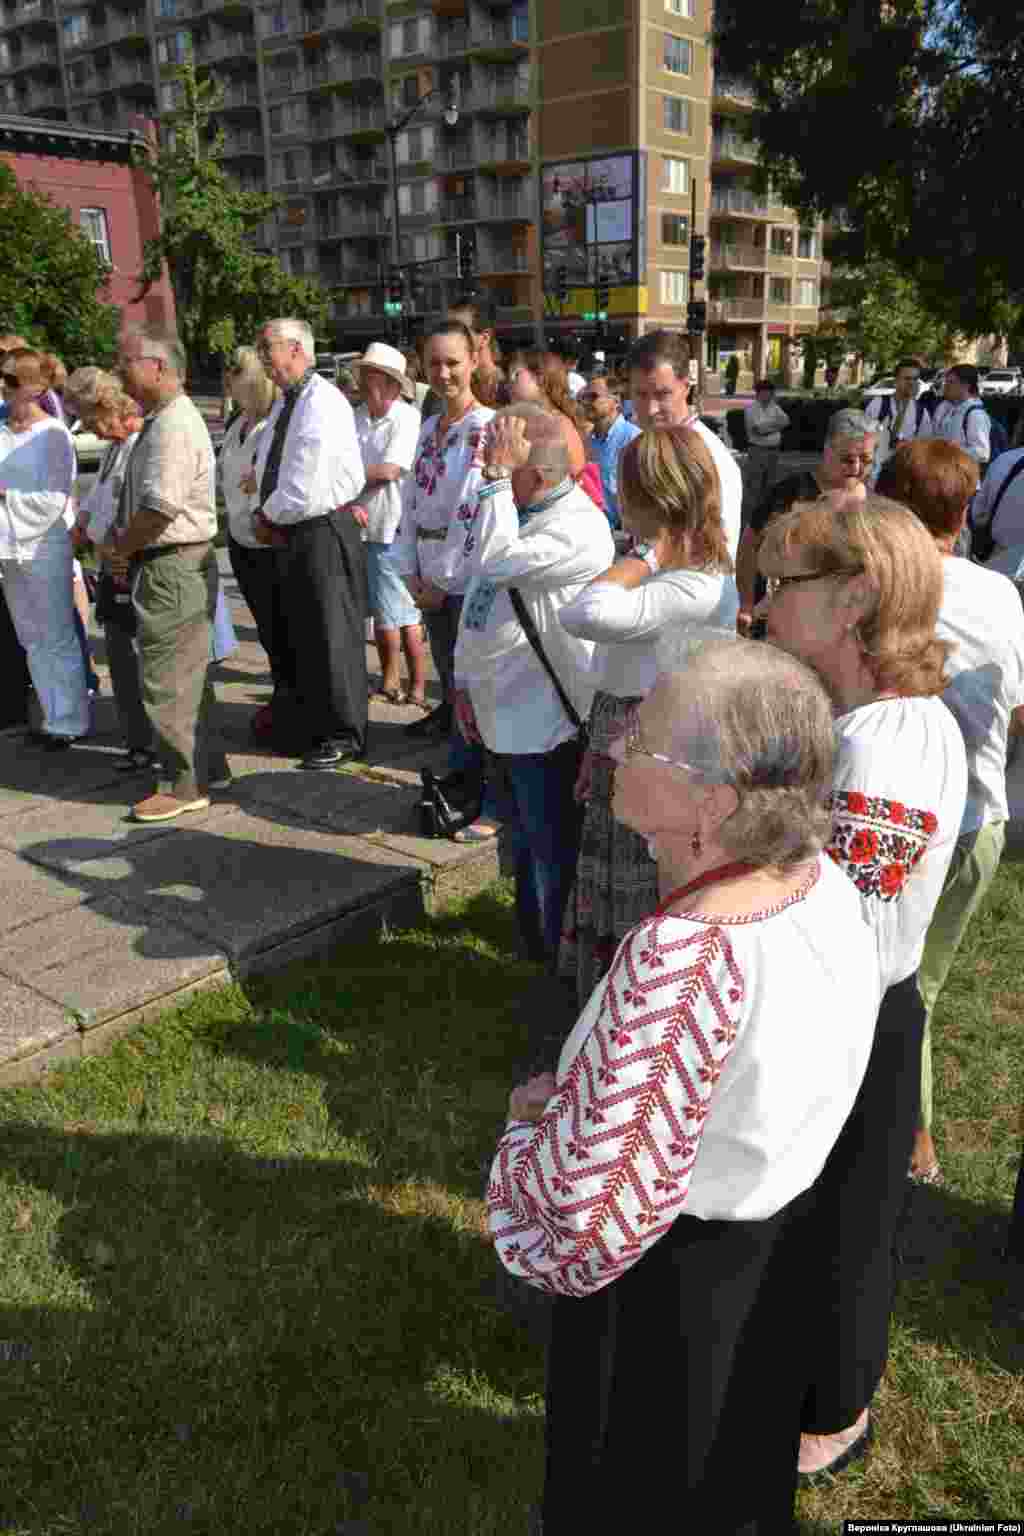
(631, 744)
(776, 584)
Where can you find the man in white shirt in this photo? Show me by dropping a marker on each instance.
(765, 422)
(308, 468)
(388, 429)
(900, 417)
(999, 509)
(982, 620)
(541, 537)
(960, 417)
(659, 380)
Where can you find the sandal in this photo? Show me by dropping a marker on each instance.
(423, 704)
(389, 696)
(477, 832)
(932, 1175)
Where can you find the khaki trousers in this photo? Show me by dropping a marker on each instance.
(175, 596)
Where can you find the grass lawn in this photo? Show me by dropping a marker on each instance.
(243, 1286)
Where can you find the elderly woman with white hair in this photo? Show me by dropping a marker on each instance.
(846, 463)
(652, 1183)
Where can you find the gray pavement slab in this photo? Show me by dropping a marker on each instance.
(104, 958)
(27, 894)
(247, 881)
(30, 1023)
(98, 824)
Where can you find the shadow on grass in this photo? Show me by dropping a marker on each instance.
(243, 1344)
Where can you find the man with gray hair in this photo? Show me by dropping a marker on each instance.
(163, 537)
(307, 468)
(539, 539)
(845, 465)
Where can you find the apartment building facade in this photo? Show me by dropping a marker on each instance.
(586, 131)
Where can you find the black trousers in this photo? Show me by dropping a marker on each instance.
(15, 681)
(258, 573)
(851, 1228)
(323, 575)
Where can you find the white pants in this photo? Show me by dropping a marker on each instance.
(38, 589)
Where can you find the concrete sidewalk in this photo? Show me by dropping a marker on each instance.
(104, 922)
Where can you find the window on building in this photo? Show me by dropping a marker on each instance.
(167, 8)
(685, 8)
(76, 30)
(678, 55)
(417, 196)
(807, 245)
(275, 20)
(675, 229)
(170, 97)
(807, 292)
(93, 224)
(174, 48)
(779, 290)
(416, 144)
(520, 22)
(677, 115)
(675, 174)
(674, 287)
(298, 260)
(782, 242)
(410, 36)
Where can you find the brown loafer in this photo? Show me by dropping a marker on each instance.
(161, 807)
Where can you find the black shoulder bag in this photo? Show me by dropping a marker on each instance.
(530, 631)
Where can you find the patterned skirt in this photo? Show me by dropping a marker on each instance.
(616, 878)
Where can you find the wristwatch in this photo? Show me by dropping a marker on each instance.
(496, 472)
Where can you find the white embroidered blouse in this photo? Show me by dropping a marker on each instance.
(439, 503)
(709, 1074)
(897, 801)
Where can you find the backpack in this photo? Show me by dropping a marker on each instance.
(884, 415)
(998, 438)
(982, 540)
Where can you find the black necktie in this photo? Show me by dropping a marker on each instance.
(272, 465)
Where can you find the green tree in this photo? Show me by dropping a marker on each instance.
(51, 280)
(879, 313)
(222, 285)
(902, 114)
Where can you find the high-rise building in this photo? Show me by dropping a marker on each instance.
(592, 141)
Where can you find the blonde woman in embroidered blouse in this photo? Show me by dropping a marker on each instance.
(854, 589)
(650, 1185)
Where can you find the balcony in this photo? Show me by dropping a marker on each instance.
(359, 120)
(366, 273)
(233, 45)
(511, 204)
(133, 73)
(498, 96)
(286, 123)
(739, 200)
(726, 88)
(244, 93)
(457, 210)
(31, 12)
(238, 144)
(737, 257)
(720, 310)
(284, 83)
(362, 223)
(345, 16)
(501, 261)
(355, 69)
(367, 172)
(39, 99)
(455, 157)
(732, 147)
(505, 149)
(293, 234)
(31, 58)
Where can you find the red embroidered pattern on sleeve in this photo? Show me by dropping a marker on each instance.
(576, 1199)
(878, 842)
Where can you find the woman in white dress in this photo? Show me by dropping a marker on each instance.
(652, 1183)
(37, 471)
(854, 590)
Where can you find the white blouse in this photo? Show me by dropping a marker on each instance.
(236, 460)
(100, 506)
(628, 622)
(389, 439)
(37, 472)
(897, 801)
(439, 503)
(710, 1074)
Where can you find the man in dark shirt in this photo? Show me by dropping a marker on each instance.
(846, 461)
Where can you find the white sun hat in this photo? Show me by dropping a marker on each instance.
(386, 360)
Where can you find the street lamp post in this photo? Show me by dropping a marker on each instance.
(393, 129)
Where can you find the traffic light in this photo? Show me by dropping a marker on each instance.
(465, 259)
(395, 285)
(696, 317)
(698, 245)
(602, 294)
(563, 284)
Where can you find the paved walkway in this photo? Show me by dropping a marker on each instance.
(104, 922)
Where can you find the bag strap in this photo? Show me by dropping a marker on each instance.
(530, 631)
(1017, 469)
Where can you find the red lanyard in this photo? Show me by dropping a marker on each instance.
(710, 877)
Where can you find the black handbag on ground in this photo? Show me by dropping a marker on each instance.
(450, 803)
(529, 628)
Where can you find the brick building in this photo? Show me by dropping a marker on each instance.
(89, 172)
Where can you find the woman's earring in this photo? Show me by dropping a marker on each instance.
(696, 845)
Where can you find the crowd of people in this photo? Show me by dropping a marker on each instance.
(753, 759)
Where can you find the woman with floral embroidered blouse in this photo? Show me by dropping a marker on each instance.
(652, 1184)
(854, 588)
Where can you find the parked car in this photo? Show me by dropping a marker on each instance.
(886, 385)
(1001, 381)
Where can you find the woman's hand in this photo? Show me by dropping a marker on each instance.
(465, 717)
(529, 1100)
(429, 598)
(247, 484)
(584, 779)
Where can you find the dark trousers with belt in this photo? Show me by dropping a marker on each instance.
(259, 577)
(323, 575)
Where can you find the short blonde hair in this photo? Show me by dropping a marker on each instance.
(895, 552)
(93, 392)
(258, 387)
(668, 480)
